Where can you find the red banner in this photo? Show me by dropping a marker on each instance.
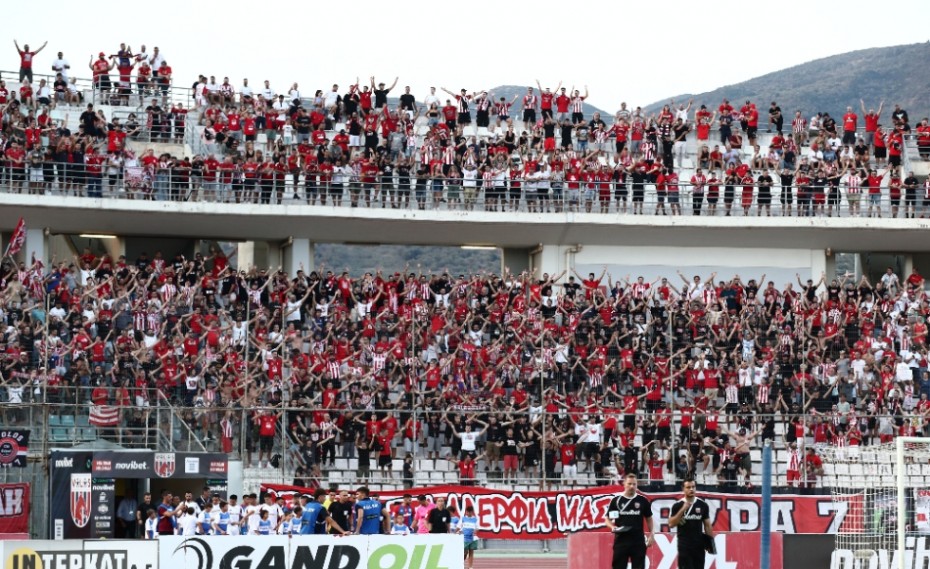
(553, 515)
(17, 239)
(14, 508)
(594, 550)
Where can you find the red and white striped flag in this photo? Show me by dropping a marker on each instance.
(17, 240)
(104, 416)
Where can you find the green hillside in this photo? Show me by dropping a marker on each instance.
(897, 75)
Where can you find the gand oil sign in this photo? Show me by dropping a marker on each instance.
(312, 552)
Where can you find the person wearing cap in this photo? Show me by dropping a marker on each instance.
(101, 69)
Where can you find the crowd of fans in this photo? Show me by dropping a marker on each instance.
(537, 377)
(356, 146)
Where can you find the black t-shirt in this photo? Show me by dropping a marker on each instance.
(303, 124)
(691, 527)
(628, 515)
(439, 520)
(407, 102)
(381, 97)
(510, 447)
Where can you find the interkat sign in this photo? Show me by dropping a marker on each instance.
(552, 515)
(14, 508)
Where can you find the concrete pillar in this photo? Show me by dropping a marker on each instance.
(274, 256)
(819, 265)
(517, 260)
(830, 263)
(115, 247)
(551, 259)
(245, 255)
(299, 254)
(908, 267)
(37, 244)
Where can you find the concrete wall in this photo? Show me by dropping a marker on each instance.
(778, 265)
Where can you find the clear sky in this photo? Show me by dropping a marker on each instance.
(623, 51)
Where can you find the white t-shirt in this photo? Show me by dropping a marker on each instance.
(61, 66)
(194, 505)
(268, 93)
(155, 60)
(235, 515)
(245, 91)
(470, 178)
(254, 518)
(275, 513)
(468, 441)
(330, 98)
(187, 525)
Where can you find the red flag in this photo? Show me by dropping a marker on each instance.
(17, 240)
(104, 416)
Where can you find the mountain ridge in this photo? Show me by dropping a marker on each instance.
(830, 84)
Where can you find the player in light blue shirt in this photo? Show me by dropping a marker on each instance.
(222, 520)
(264, 524)
(399, 527)
(205, 519)
(468, 526)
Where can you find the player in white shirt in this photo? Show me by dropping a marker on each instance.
(251, 519)
(187, 523)
(275, 512)
(235, 516)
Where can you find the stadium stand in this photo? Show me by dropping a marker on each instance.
(301, 375)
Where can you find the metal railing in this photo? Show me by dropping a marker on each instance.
(55, 181)
(683, 441)
(85, 89)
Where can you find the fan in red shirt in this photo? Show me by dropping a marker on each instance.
(267, 428)
(25, 60)
(101, 69)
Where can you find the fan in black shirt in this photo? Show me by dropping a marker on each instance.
(626, 516)
(691, 516)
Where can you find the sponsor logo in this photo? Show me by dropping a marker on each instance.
(64, 462)
(164, 464)
(80, 498)
(218, 466)
(11, 444)
(197, 554)
(67, 559)
(192, 465)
